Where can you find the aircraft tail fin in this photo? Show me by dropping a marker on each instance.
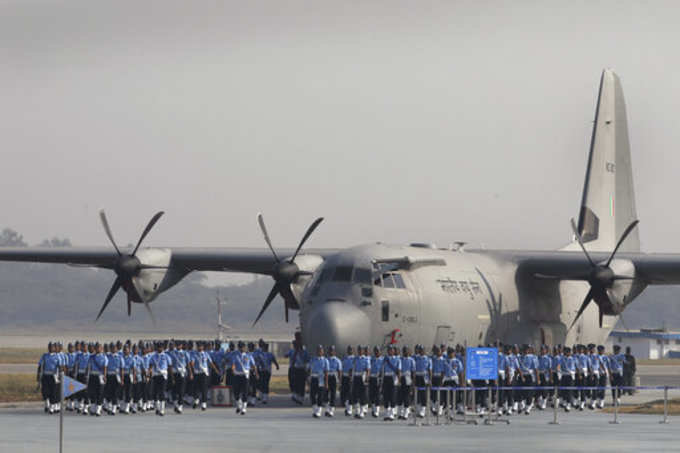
(608, 203)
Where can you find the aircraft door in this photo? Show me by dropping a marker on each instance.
(443, 335)
(397, 309)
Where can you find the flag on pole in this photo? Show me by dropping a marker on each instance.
(71, 386)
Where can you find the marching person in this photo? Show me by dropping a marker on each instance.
(374, 381)
(513, 379)
(453, 376)
(423, 376)
(96, 372)
(544, 372)
(267, 359)
(360, 372)
(242, 365)
(391, 373)
(568, 370)
(346, 384)
(593, 374)
(128, 378)
(334, 374)
(200, 366)
(82, 361)
(529, 371)
(299, 358)
(616, 362)
(604, 375)
(180, 363)
(408, 369)
(253, 380)
(160, 365)
(48, 370)
(318, 372)
(438, 397)
(114, 379)
(582, 379)
(137, 379)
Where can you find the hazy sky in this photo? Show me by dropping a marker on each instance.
(397, 121)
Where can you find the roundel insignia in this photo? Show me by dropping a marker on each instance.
(71, 387)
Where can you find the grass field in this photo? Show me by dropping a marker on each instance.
(18, 387)
(21, 355)
(23, 387)
(650, 408)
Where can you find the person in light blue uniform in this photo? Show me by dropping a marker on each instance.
(501, 405)
(180, 368)
(616, 362)
(604, 375)
(334, 375)
(529, 375)
(593, 374)
(408, 373)
(128, 378)
(582, 376)
(512, 379)
(453, 377)
(114, 379)
(48, 372)
(361, 369)
(82, 360)
(374, 381)
(568, 370)
(200, 366)
(96, 372)
(242, 365)
(544, 377)
(318, 373)
(391, 373)
(346, 384)
(137, 379)
(423, 376)
(160, 366)
(439, 366)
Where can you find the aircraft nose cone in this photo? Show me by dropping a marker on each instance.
(337, 323)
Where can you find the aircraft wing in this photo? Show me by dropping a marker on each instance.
(652, 268)
(251, 260)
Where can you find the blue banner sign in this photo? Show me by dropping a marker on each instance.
(481, 363)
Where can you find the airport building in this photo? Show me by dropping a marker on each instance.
(648, 343)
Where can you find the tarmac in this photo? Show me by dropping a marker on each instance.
(282, 427)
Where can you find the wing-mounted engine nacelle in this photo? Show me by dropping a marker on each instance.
(624, 289)
(157, 276)
(307, 264)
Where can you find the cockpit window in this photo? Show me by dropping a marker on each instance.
(398, 281)
(343, 274)
(362, 276)
(390, 280)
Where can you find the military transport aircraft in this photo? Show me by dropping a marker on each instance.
(418, 293)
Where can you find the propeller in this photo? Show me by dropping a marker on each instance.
(601, 277)
(285, 272)
(128, 266)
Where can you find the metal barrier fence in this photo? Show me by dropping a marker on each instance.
(471, 417)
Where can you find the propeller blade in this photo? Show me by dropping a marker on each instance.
(309, 232)
(583, 307)
(112, 292)
(151, 266)
(580, 241)
(601, 317)
(267, 302)
(148, 308)
(129, 306)
(102, 216)
(625, 234)
(286, 305)
(260, 220)
(150, 225)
